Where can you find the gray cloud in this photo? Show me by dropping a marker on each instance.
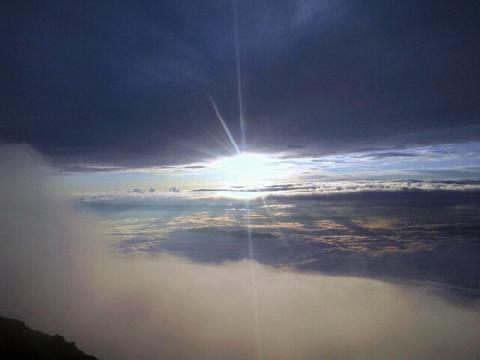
(326, 75)
(389, 154)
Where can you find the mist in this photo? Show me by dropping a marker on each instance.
(58, 274)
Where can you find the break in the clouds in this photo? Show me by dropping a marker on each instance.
(127, 84)
(432, 167)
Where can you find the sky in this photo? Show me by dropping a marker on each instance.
(129, 84)
(288, 179)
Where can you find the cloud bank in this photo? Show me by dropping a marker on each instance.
(57, 275)
(325, 76)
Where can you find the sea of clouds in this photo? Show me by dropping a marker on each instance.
(59, 276)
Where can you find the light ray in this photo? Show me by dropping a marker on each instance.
(267, 210)
(225, 127)
(243, 125)
(253, 284)
(243, 134)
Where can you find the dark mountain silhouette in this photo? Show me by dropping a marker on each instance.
(18, 342)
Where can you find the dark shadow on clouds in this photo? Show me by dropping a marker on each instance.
(410, 235)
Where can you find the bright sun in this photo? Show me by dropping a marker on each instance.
(246, 169)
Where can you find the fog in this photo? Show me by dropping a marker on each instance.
(58, 274)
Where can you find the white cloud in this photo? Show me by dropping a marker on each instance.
(58, 277)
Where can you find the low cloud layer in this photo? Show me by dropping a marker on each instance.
(415, 230)
(57, 275)
(341, 187)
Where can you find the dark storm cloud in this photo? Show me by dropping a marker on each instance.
(126, 83)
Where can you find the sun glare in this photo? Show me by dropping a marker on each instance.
(246, 170)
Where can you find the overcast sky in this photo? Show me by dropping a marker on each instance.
(128, 83)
